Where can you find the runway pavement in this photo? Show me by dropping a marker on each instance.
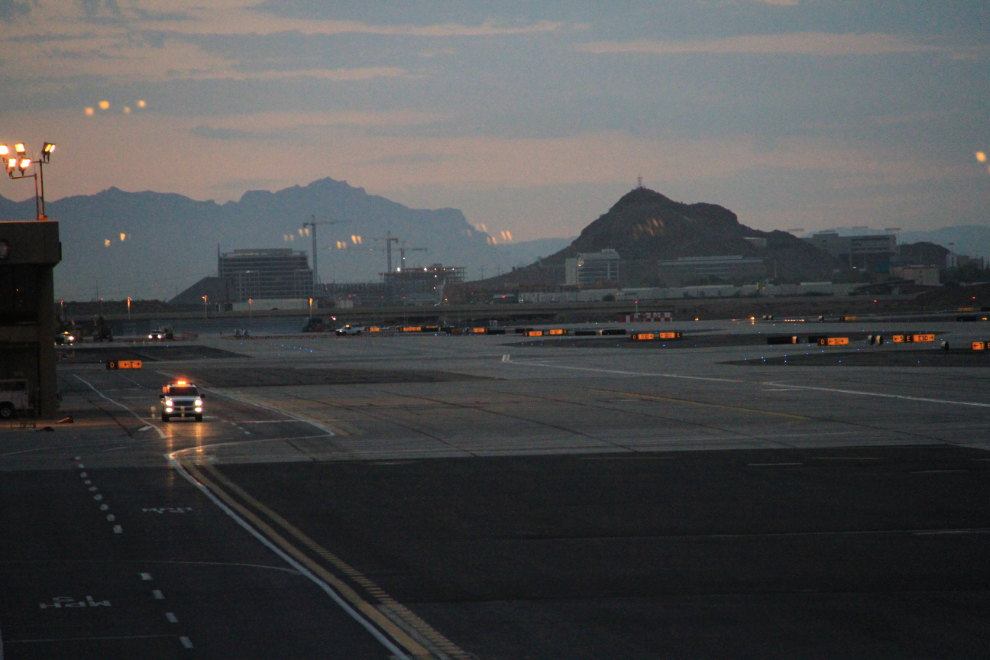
(472, 497)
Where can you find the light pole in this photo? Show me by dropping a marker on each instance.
(206, 308)
(310, 308)
(20, 162)
(128, 308)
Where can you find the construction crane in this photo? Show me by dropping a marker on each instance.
(311, 228)
(389, 239)
(402, 253)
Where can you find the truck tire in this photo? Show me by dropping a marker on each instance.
(7, 410)
(199, 418)
(165, 418)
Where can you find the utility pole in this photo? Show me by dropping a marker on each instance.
(311, 228)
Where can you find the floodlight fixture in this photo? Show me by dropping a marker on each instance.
(24, 164)
(4, 150)
(20, 149)
(11, 165)
(46, 151)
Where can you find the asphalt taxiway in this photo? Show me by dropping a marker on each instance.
(472, 497)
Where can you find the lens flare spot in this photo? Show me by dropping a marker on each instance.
(127, 110)
(981, 157)
(89, 112)
(123, 237)
(141, 103)
(104, 105)
(106, 242)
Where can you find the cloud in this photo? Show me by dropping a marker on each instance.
(162, 40)
(210, 133)
(797, 43)
(303, 127)
(11, 9)
(333, 75)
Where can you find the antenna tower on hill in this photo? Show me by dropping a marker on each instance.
(639, 181)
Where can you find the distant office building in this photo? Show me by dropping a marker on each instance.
(266, 274)
(676, 272)
(872, 251)
(591, 267)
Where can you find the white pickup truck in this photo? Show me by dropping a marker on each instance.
(14, 397)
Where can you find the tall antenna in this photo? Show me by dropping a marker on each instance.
(639, 181)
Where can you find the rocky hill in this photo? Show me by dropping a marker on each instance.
(645, 226)
(153, 245)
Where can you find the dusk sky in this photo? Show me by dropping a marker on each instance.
(532, 117)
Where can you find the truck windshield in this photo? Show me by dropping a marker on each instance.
(183, 391)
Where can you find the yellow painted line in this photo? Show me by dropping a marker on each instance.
(707, 405)
(403, 613)
(342, 588)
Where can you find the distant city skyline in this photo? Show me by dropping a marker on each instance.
(531, 117)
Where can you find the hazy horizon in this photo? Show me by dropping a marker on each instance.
(531, 118)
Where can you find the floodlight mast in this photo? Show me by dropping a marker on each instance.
(21, 162)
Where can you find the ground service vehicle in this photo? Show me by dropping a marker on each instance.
(14, 396)
(162, 334)
(182, 399)
(349, 330)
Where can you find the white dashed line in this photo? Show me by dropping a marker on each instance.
(103, 507)
(146, 576)
(117, 529)
(111, 517)
(186, 642)
(97, 497)
(171, 617)
(158, 594)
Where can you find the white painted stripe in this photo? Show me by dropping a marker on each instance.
(171, 617)
(157, 594)
(117, 529)
(770, 464)
(160, 434)
(186, 642)
(146, 576)
(628, 373)
(367, 625)
(772, 384)
(905, 397)
(111, 517)
(274, 410)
